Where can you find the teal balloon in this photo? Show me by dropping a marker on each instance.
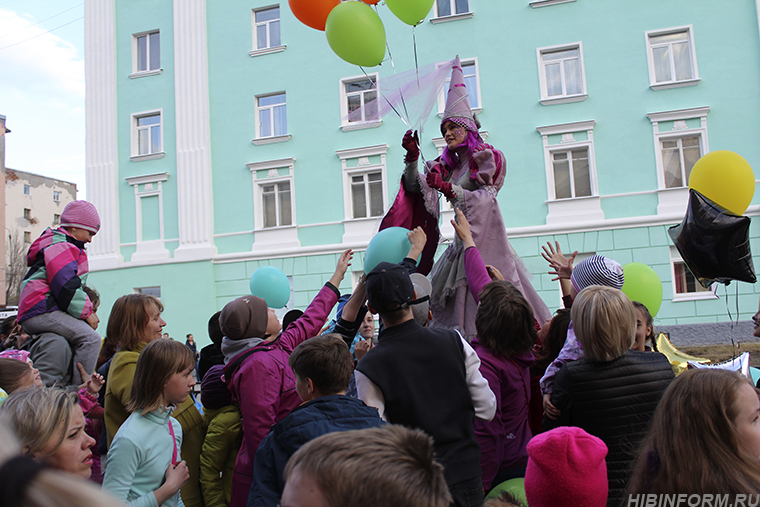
(356, 34)
(514, 486)
(389, 245)
(643, 285)
(271, 285)
(411, 12)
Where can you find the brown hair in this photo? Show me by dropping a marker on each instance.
(693, 441)
(505, 320)
(604, 321)
(326, 360)
(130, 315)
(38, 416)
(159, 360)
(389, 466)
(554, 340)
(648, 321)
(93, 295)
(12, 371)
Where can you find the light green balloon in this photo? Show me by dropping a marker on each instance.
(411, 12)
(356, 34)
(643, 285)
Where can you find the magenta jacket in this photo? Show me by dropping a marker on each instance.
(265, 386)
(503, 439)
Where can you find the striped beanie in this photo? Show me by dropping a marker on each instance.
(81, 214)
(597, 270)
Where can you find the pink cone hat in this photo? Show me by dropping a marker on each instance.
(457, 101)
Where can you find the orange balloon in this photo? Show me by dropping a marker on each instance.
(312, 13)
(371, 2)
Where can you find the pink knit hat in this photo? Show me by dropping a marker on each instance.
(458, 102)
(566, 467)
(81, 214)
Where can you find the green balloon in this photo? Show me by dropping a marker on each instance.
(411, 12)
(356, 34)
(643, 285)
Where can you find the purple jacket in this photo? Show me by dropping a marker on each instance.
(265, 386)
(503, 439)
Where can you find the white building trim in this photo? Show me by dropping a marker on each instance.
(267, 239)
(151, 250)
(193, 132)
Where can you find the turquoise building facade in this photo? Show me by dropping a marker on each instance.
(218, 142)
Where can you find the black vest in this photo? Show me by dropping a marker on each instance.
(421, 373)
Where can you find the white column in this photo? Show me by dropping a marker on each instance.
(195, 206)
(101, 154)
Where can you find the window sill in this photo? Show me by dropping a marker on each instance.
(271, 140)
(543, 3)
(276, 228)
(149, 156)
(267, 51)
(695, 296)
(453, 17)
(145, 73)
(675, 84)
(565, 99)
(361, 125)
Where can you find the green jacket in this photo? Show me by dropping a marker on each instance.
(118, 391)
(220, 448)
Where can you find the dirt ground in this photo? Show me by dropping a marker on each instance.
(718, 353)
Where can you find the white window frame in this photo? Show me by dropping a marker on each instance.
(56, 196)
(149, 185)
(711, 293)
(27, 189)
(257, 51)
(573, 210)
(356, 161)
(564, 98)
(56, 219)
(148, 290)
(135, 56)
(347, 126)
(365, 172)
(673, 201)
(282, 236)
(136, 157)
(674, 83)
(27, 237)
(445, 87)
(451, 17)
(260, 139)
(544, 3)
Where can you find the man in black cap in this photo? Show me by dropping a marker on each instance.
(426, 378)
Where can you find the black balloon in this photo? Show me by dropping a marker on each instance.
(713, 242)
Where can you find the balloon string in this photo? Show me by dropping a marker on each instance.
(731, 320)
(386, 99)
(419, 90)
(403, 103)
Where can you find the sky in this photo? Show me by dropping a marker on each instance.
(42, 87)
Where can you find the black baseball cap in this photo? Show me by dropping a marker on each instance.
(389, 288)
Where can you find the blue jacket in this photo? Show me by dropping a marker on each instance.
(315, 418)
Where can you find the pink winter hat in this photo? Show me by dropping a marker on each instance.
(566, 467)
(81, 214)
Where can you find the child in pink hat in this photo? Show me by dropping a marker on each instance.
(52, 297)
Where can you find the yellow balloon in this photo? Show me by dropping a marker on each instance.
(725, 178)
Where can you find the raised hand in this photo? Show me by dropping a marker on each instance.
(435, 180)
(417, 238)
(340, 270)
(410, 143)
(462, 229)
(562, 267)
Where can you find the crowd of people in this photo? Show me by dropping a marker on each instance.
(471, 393)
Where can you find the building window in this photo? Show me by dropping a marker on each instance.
(147, 137)
(56, 196)
(271, 115)
(359, 99)
(367, 194)
(27, 237)
(685, 284)
(56, 220)
(571, 173)
(266, 26)
(679, 154)
(680, 138)
(276, 204)
(570, 164)
(561, 74)
(148, 291)
(27, 213)
(147, 52)
(672, 59)
(27, 190)
(470, 73)
(451, 7)
(149, 216)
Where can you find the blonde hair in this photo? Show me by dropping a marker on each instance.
(39, 416)
(158, 361)
(604, 321)
(129, 316)
(52, 488)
